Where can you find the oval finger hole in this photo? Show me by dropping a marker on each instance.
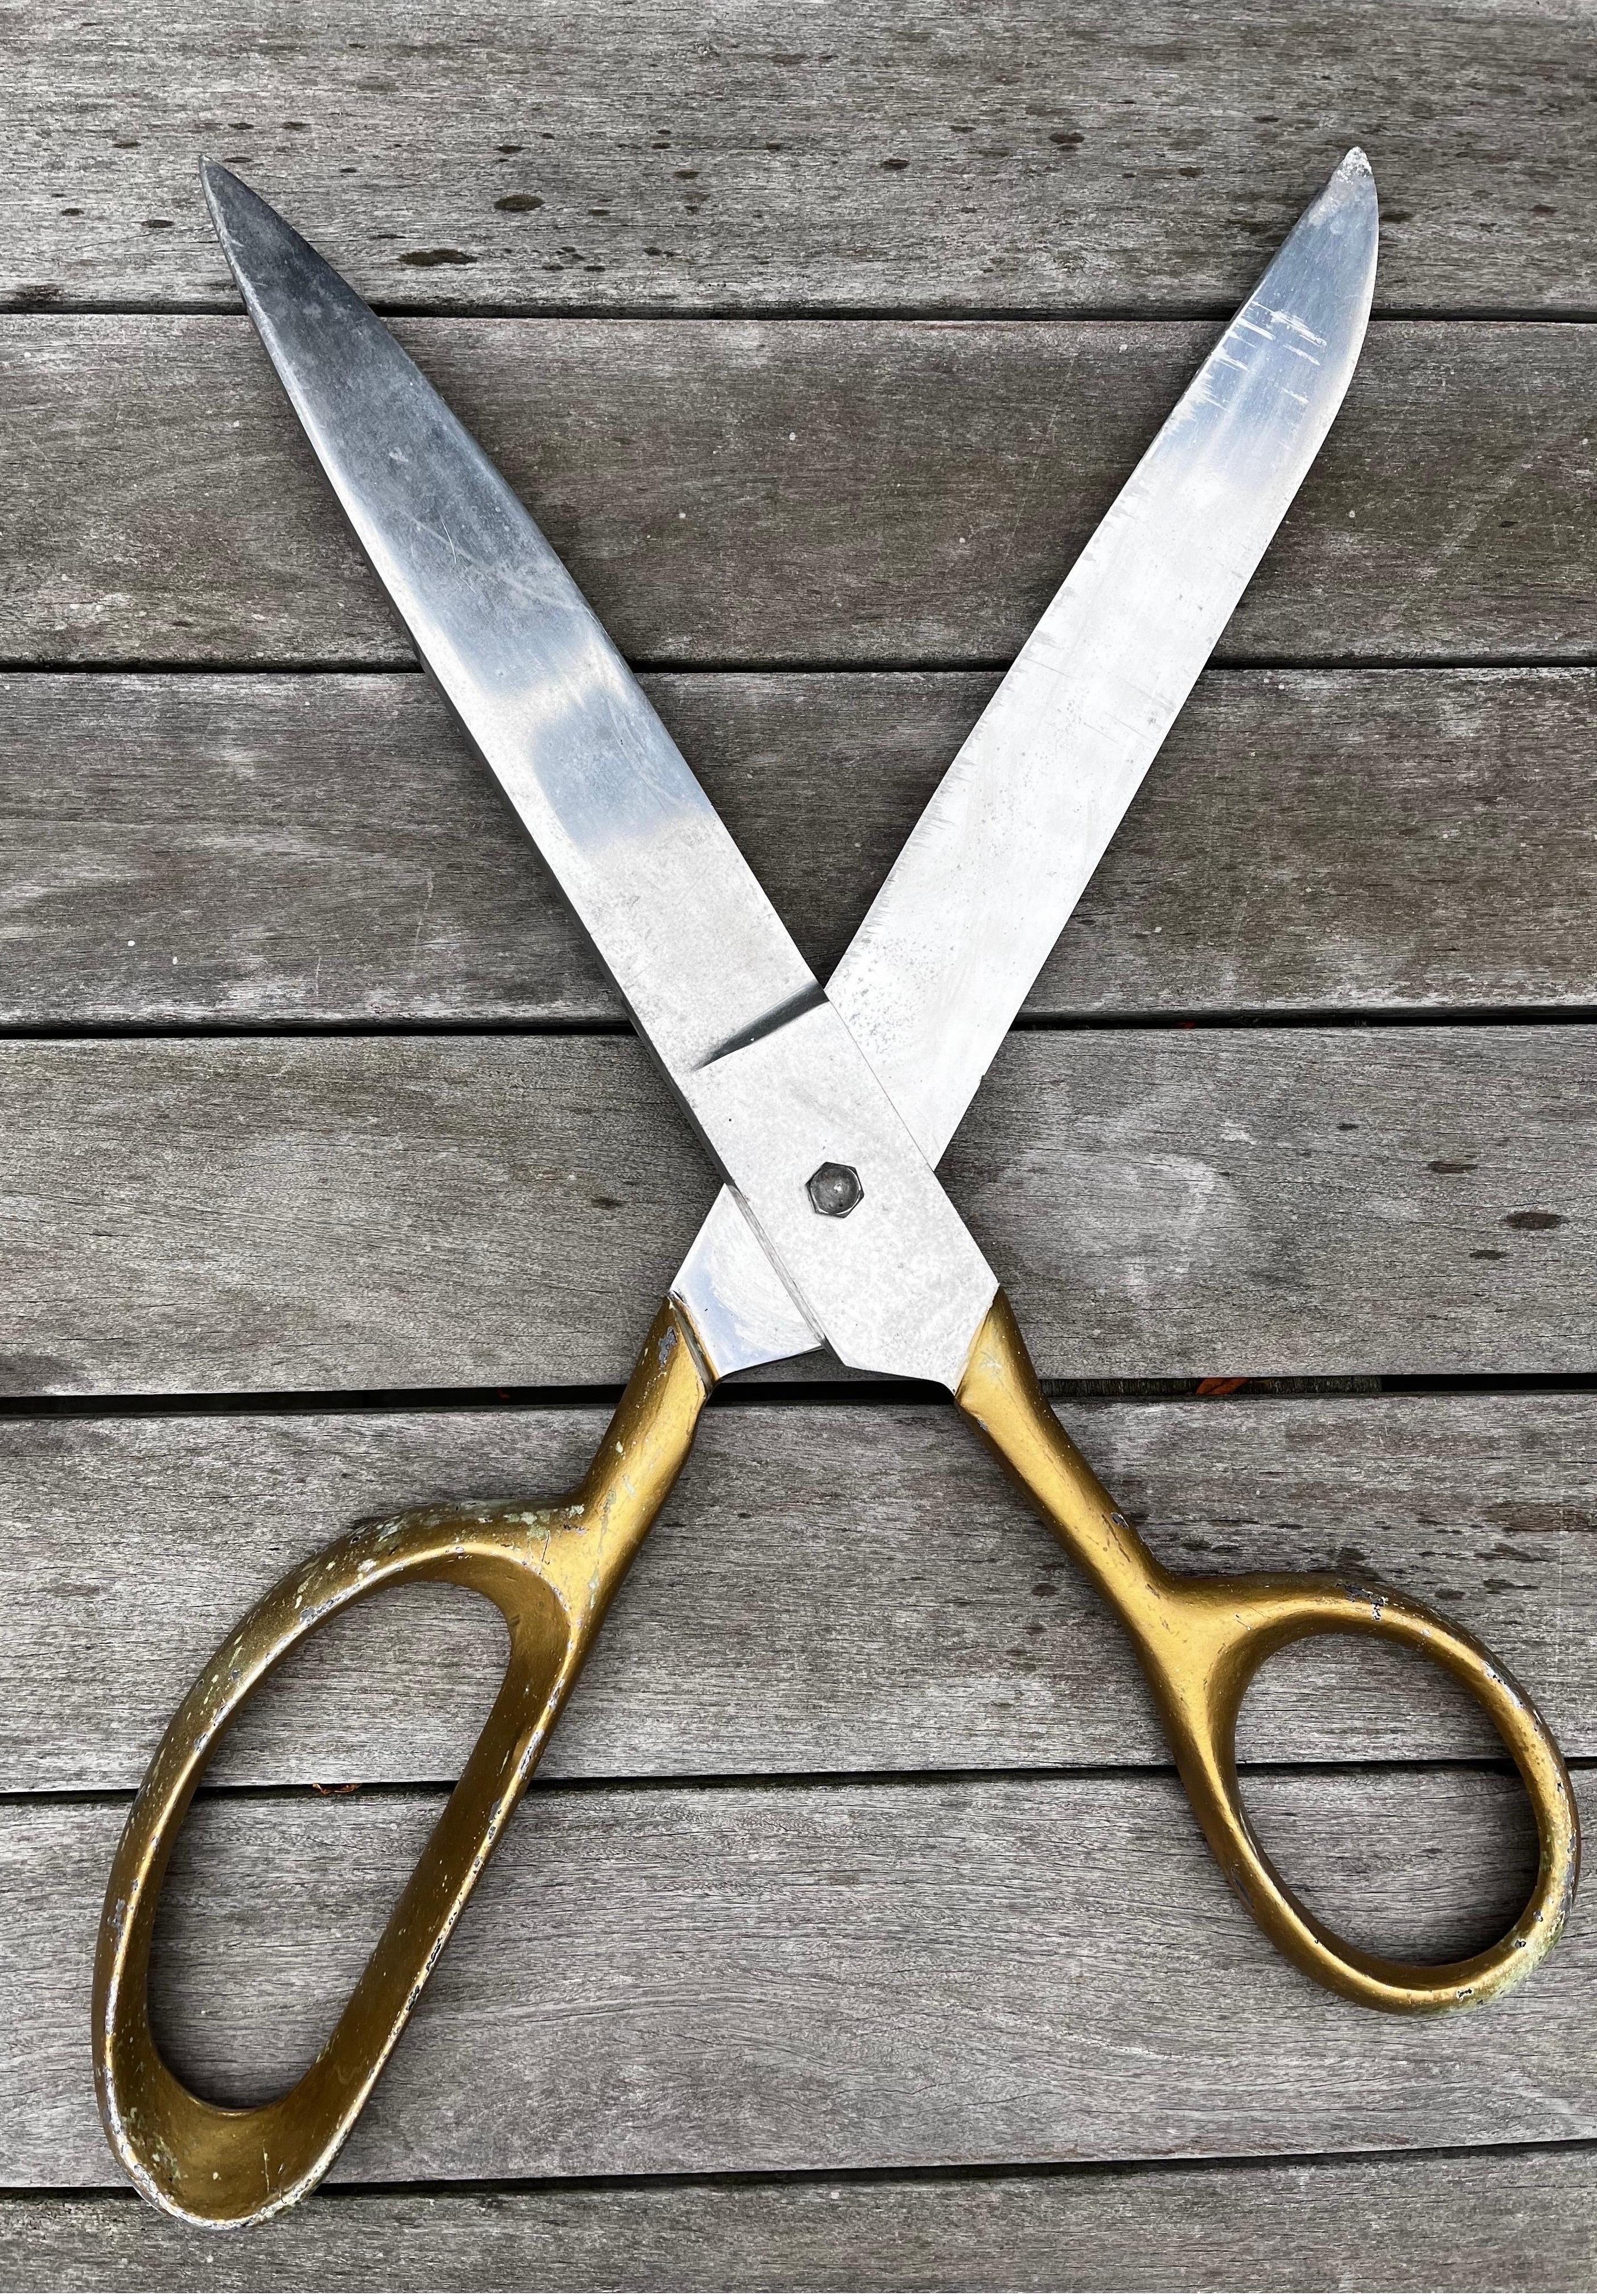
(275, 1898)
(1423, 1861)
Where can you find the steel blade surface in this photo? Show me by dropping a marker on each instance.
(933, 980)
(982, 889)
(983, 886)
(675, 912)
(761, 1062)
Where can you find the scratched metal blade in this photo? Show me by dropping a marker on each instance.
(965, 919)
(996, 864)
(674, 910)
(687, 932)
(760, 1061)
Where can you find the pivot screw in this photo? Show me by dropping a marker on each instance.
(834, 1190)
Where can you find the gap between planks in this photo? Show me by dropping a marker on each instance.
(1488, 2218)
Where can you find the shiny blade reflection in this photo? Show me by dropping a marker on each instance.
(981, 891)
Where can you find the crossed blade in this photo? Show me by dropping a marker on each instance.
(876, 1071)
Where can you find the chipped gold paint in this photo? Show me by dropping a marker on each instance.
(552, 1571)
(1201, 1641)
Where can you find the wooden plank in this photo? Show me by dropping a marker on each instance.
(201, 848)
(187, 1214)
(953, 1972)
(1464, 2221)
(690, 156)
(786, 492)
(831, 1588)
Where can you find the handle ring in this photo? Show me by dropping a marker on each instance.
(1226, 1629)
(1201, 1641)
(551, 1571)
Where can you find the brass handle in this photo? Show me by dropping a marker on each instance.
(551, 1570)
(1201, 1641)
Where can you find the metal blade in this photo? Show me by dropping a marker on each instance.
(981, 891)
(764, 1066)
(675, 912)
(1001, 855)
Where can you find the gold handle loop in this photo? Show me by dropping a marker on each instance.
(1202, 1640)
(1222, 1630)
(551, 1570)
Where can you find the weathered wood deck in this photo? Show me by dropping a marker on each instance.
(818, 337)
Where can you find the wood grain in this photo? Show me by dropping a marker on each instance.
(809, 2016)
(964, 1971)
(831, 1589)
(689, 156)
(194, 1214)
(1464, 2221)
(203, 849)
(787, 493)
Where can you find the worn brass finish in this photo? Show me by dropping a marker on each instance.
(551, 1570)
(1201, 1641)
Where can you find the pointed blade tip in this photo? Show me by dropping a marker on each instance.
(222, 189)
(255, 239)
(1352, 183)
(1348, 210)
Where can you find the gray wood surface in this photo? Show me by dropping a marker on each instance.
(857, 1898)
(768, 1976)
(869, 493)
(841, 154)
(205, 849)
(1467, 2221)
(219, 1214)
(831, 1588)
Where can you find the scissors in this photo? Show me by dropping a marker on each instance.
(826, 1112)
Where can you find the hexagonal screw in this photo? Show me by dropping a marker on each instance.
(834, 1190)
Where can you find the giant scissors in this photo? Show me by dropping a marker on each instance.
(827, 1110)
